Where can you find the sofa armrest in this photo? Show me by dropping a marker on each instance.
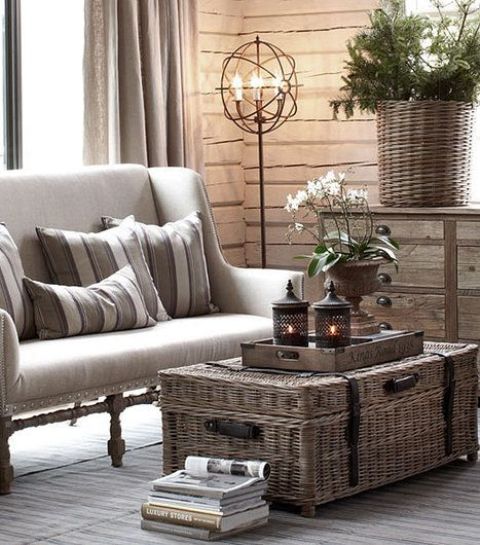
(252, 291)
(9, 359)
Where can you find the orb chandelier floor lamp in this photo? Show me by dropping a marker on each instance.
(259, 93)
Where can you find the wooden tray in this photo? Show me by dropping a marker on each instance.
(363, 352)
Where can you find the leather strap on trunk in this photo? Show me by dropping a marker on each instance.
(353, 432)
(448, 400)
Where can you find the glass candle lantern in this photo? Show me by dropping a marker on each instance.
(290, 320)
(332, 321)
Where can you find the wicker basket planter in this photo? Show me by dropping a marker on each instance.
(424, 152)
(326, 437)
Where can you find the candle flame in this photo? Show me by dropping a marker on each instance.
(256, 82)
(332, 329)
(237, 82)
(289, 329)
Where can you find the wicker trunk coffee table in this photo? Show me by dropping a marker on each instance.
(326, 436)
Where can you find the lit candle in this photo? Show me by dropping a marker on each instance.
(291, 335)
(237, 85)
(332, 330)
(257, 83)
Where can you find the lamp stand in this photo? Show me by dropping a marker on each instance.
(262, 106)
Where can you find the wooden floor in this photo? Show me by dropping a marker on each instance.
(91, 503)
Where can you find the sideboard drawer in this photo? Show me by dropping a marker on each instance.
(409, 311)
(468, 267)
(468, 230)
(468, 317)
(410, 229)
(419, 266)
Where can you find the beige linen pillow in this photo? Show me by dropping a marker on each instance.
(13, 297)
(113, 304)
(175, 256)
(81, 259)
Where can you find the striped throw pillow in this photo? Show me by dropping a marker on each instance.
(113, 304)
(13, 297)
(81, 259)
(175, 256)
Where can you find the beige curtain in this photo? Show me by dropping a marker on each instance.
(142, 101)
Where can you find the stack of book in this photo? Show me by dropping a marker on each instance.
(210, 499)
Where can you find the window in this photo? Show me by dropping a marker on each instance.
(425, 6)
(41, 61)
(52, 83)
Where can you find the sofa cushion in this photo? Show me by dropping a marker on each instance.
(175, 256)
(81, 259)
(113, 304)
(13, 297)
(78, 364)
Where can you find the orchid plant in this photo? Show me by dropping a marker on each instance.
(326, 201)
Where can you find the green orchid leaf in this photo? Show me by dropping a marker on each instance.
(320, 249)
(382, 239)
(331, 263)
(341, 238)
(303, 256)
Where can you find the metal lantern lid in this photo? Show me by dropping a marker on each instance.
(332, 300)
(290, 300)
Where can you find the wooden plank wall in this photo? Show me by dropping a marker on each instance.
(314, 32)
(220, 24)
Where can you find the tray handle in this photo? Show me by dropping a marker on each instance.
(287, 355)
(397, 385)
(233, 429)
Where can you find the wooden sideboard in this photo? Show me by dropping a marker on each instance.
(437, 286)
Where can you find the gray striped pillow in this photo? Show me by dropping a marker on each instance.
(13, 297)
(175, 255)
(113, 304)
(81, 259)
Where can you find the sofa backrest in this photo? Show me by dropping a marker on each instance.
(74, 200)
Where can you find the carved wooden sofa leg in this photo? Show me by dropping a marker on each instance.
(116, 445)
(6, 469)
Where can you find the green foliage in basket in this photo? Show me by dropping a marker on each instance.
(413, 57)
(326, 202)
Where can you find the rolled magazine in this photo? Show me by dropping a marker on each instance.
(202, 466)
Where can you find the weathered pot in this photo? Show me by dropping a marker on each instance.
(353, 280)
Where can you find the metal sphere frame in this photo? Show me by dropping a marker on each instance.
(254, 114)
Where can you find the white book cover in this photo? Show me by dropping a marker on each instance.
(207, 508)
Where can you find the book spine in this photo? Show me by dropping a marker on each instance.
(175, 529)
(182, 517)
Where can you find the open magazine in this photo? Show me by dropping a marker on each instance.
(215, 478)
(201, 466)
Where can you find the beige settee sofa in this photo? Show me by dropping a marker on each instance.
(66, 372)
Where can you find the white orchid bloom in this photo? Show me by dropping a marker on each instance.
(302, 197)
(329, 177)
(333, 189)
(299, 227)
(292, 204)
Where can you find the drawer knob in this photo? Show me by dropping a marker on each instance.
(384, 301)
(383, 230)
(385, 326)
(385, 278)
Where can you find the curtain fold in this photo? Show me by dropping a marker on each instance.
(142, 100)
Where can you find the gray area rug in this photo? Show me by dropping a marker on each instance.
(91, 503)
(57, 445)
